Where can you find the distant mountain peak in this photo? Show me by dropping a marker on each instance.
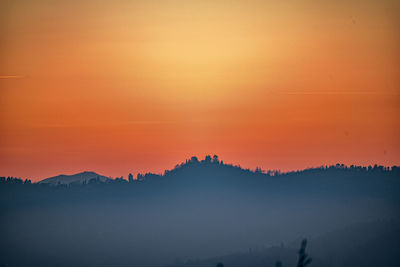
(82, 177)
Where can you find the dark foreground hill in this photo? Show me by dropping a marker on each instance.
(364, 244)
(200, 209)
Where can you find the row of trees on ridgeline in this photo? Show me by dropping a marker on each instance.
(214, 160)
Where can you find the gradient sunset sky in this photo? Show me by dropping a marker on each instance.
(136, 86)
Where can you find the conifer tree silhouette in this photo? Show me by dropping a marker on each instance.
(304, 260)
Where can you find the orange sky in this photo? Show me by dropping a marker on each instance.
(135, 86)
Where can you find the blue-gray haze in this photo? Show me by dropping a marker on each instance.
(203, 212)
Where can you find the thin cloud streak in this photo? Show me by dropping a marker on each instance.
(11, 76)
(80, 125)
(338, 93)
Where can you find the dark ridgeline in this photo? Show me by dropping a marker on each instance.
(303, 260)
(202, 209)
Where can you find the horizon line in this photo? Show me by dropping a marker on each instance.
(221, 162)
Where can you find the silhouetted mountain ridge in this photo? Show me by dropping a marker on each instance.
(213, 175)
(80, 178)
